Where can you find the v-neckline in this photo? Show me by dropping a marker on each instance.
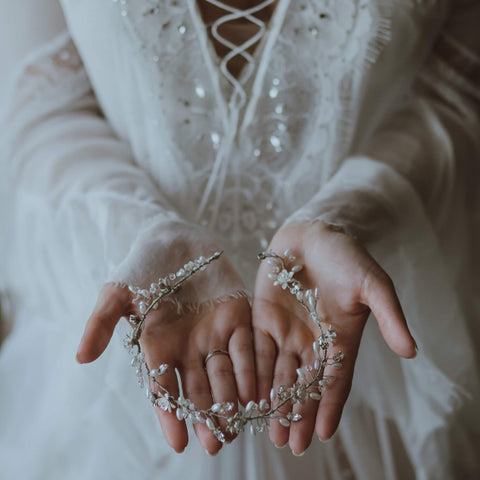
(259, 56)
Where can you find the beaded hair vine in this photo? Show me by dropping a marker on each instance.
(311, 379)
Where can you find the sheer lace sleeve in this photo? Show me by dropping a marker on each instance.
(80, 211)
(410, 196)
(424, 149)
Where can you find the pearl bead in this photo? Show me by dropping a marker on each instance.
(182, 29)
(284, 422)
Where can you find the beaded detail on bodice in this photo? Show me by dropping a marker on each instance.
(251, 146)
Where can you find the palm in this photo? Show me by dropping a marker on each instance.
(183, 341)
(349, 282)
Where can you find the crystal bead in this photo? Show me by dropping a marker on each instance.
(272, 224)
(200, 91)
(257, 152)
(313, 31)
(215, 139)
(155, 58)
(273, 92)
(276, 81)
(182, 29)
(276, 144)
(279, 109)
(281, 126)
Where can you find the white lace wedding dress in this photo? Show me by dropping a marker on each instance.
(124, 133)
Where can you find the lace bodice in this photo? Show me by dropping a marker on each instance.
(239, 157)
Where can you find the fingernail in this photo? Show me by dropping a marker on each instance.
(416, 347)
(298, 454)
(211, 454)
(279, 446)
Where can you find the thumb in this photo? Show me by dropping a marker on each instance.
(379, 294)
(113, 303)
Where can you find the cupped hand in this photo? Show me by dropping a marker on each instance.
(183, 341)
(350, 284)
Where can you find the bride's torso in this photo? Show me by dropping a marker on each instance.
(239, 155)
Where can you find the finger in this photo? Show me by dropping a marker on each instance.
(197, 389)
(379, 294)
(301, 432)
(113, 303)
(174, 430)
(156, 351)
(265, 356)
(285, 375)
(240, 348)
(222, 384)
(334, 397)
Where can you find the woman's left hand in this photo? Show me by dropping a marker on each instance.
(350, 284)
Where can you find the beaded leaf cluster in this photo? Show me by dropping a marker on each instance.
(311, 379)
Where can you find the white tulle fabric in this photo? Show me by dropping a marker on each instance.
(128, 150)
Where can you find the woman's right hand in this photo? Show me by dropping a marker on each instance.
(183, 341)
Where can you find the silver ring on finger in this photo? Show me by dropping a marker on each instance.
(212, 354)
